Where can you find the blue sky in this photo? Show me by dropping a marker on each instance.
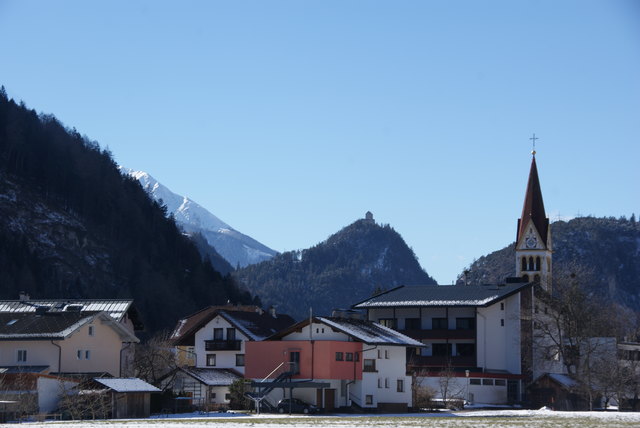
(291, 119)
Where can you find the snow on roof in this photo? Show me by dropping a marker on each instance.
(131, 384)
(370, 332)
(563, 379)
(212, 377)
(442, 295)
(115, 308)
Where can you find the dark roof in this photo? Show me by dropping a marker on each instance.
(442, 295)
(54, 325)
(368, 332)
(252, 321)
(116, 308)
(41, 326)
(533, 207)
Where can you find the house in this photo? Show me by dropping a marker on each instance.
(63, 342)
(213, 341)
(208, 389)
(24, 392)
(479, 339)
(471, 333)
(121, 310)
(333, 362)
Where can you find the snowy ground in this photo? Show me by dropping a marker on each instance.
(462, 419)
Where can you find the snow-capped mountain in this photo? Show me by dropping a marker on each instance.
(235, 247)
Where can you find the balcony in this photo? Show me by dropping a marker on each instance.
(222, 345)
(440, 334)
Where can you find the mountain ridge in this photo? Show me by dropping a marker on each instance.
(347, 267)
(237, 248)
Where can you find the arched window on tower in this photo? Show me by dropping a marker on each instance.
(525, 277)
(531, 267)
(538, 263)
(524, 263)
(536, 278)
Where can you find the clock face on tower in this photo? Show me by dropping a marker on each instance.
(531, 242)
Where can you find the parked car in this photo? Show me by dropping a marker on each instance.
(297, 406)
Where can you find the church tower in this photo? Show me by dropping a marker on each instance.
(533, 239)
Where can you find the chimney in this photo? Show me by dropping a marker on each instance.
(272, 311)
(23, 297)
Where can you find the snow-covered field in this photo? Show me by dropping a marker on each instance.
(462, 419)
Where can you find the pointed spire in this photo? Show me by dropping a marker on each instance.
(533, 206)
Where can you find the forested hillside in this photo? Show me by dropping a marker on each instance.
(72, 226)
(349, 266)
(608, 248)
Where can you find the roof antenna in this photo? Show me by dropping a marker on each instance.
(534, 138)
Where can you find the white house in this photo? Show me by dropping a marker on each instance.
(211, 343)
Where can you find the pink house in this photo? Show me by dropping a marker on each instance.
(333, 362)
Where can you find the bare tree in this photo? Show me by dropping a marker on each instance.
(575, 328)
(154, 359)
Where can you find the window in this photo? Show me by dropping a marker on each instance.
(211, 359)
(87, 355)
(465, 323)
(441, 350)
(379, 354)
(379, 382)
(339, 356)
(386, 354)
(349, 356)
(412, 324)
(294, 361)
(502, 322)
(91, 330)
(239, 360)
(400, 385)
(474, 381)
(439, 324)
(388, 322)
(79, 354)
(537, 263)
(231, 334)
(368, 399)
(487, 381)
(217, 333)
(531, 267)
(227, 396)
(356, 357)
(502, 306)
(369, 365)
(465, 349)
(524, 263)
(501, 382)
(386, 382)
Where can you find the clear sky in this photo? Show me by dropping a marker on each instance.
(290, 119)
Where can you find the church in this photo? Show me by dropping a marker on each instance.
(477, 339)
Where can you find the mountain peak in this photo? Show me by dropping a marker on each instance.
(235, 247)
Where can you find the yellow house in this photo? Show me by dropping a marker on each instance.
(63, 342)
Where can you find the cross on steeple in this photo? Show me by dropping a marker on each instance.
(534, 138)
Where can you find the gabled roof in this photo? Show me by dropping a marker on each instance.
(367, 332)
(251, 321)
(533, 208)
(55, 325)
(116, 308)
(131, 384)
(212, 377)
(442, 296)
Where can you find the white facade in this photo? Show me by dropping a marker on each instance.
(225, 359)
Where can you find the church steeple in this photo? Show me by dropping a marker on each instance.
(533, 208)
(533, 236)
